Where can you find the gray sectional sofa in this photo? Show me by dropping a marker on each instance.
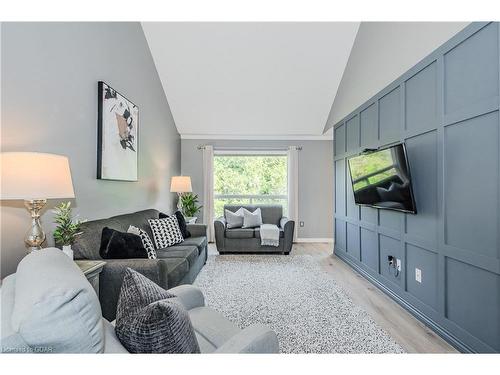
(176, 265)
(48, 306)
(247, 240)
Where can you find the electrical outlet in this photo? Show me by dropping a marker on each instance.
(301, 223)
(398, 264)
(418, 275)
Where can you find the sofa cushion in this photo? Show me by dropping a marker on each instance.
(146, 240)
(149, 320)
(186, 252)
(121, 245)
(234, 219)
(177, 268)
(111, 342)
(257, 233)
(214, 327)
(55, 306)
(252, 219)
(87, 245)
(271, 213)
(240, 233)
(166, 232)
(182, 222)
(199, 242)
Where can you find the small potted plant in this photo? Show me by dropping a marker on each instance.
(68, 228)
(190, 206)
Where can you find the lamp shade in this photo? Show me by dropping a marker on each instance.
(181, 184)
(34, 175)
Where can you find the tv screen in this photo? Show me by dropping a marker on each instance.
(381, 179)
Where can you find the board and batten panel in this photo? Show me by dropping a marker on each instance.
(339, 140)
(369, 249)
(369, 126)
(471, 184)
(390, 116)
(353, 240)
(426, 261)
(352, 137)
(421, 109)
(471, 71)
(471, 301)
(422, 158)
(446, 110)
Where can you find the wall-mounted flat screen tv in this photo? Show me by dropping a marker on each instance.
(381, 178)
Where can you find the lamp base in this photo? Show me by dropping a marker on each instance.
(35, 236)
(179, 202)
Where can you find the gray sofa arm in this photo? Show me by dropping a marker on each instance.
(111, 278)
(220, 229)
(256, 338)
(288, 227)
(190, 296)
(197, 230)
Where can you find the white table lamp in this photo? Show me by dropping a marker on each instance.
(180, 185)
(35, 177)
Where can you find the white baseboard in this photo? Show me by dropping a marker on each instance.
(309, 240)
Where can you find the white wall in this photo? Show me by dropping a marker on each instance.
(49, 104)
(315, 178)
(382, 52)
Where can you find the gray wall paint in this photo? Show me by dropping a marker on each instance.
(391, 49)
(315, 179)
(49, 104)
(446, 108)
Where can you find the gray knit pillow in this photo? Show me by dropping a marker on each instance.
(149, 320)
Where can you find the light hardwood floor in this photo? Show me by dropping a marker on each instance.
(411, 334)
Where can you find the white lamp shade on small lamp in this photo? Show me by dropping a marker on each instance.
(181, 184)
(34, 175)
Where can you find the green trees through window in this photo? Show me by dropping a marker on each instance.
(249, 179)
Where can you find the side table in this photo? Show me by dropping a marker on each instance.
(91, 269)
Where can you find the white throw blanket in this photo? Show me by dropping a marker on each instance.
(269, 235)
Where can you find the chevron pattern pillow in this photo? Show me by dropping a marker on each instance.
(166, 232)
(150, 320)
(146, 241)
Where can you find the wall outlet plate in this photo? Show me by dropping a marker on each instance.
(418, 275)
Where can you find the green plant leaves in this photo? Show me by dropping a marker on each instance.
(190, 204)
(67, 228)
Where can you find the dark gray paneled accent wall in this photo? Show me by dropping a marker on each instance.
(446, 109)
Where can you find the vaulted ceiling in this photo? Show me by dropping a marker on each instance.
(250, 79)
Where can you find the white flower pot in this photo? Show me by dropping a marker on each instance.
(68, 251)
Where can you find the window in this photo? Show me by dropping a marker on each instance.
(249, 179)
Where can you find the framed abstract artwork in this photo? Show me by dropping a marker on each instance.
(117, 135)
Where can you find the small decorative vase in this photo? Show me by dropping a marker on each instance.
(67, 250)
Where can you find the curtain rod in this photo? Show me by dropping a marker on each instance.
(250, 148)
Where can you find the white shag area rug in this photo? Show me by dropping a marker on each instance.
(296, 298)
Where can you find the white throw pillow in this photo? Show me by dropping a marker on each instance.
(166, 232)
(146, 241)
(234, 219)
(252, 219)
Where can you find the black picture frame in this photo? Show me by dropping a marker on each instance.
(127, 137)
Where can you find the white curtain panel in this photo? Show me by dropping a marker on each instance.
(208, 190)
(293, 187)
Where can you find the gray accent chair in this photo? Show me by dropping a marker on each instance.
(176, 265)
(48, 306)
(242, 240)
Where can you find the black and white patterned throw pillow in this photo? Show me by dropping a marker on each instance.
(146, 241)
(166, 232)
